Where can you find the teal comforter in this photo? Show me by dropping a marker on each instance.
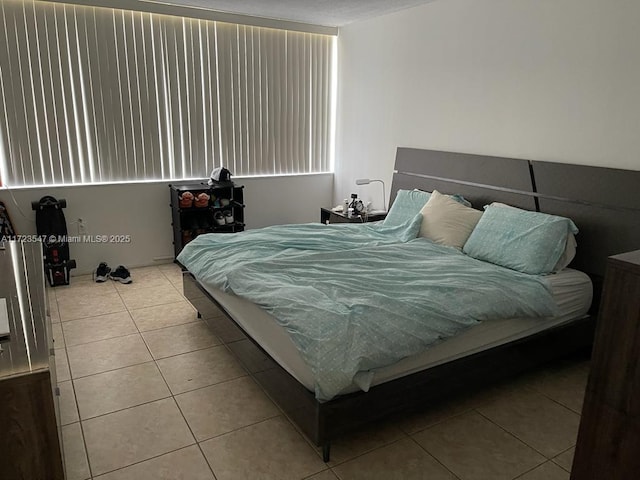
(231, 251)
(350, 311)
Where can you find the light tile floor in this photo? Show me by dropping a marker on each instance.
(148, 392)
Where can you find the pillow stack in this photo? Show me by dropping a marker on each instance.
(529, 242)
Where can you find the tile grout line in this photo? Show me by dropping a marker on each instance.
(113, 369)
(533, 468)
(559, 403)
(434, 457)
(102, 339)
(206, 460)
(515, 436)
(167, 326)
(208, 386)
(147, 459)
(141, 332)
(362, 454)
(318, 473)
(534, 391)
(199, 349)
(92, 316)
(438, 422)
(125, 408)
(86, 450)
(199, 443)
(562, 453)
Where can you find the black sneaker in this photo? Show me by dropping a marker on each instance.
(102, 273)
(121, 275)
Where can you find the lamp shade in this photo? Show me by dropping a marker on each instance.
(363, 181)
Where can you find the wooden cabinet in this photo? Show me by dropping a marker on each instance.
(222, 212)
(30, 440)
(609, 437)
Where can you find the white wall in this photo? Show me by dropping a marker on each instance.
(142, 211)
(554, 80)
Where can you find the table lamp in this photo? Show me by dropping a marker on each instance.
(367, 181)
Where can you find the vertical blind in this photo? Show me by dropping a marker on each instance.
(92, 95)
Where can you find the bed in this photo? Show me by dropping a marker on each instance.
(489, 351)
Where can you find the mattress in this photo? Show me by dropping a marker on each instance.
(572, 292)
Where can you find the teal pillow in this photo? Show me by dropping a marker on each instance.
(529, 242)
(406, 206)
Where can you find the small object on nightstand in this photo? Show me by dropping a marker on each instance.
(328, 215)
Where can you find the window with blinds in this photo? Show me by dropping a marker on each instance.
(93, 95)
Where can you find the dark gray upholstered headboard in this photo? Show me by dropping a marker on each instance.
(603, 202)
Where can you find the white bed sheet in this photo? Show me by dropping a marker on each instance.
(572, 291)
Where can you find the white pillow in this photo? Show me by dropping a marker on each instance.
(446, 221)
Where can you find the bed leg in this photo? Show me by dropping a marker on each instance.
(326, 452)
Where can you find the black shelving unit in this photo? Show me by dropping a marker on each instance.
(190, 221)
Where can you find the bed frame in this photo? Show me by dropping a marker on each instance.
(603, 203)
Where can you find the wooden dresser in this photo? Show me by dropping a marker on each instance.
(30, 440)
(608, 444)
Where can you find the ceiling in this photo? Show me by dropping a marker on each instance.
(333, 13)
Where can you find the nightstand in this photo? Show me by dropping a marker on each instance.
(329, 216)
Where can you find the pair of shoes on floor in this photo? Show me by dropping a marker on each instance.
(120, 274)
